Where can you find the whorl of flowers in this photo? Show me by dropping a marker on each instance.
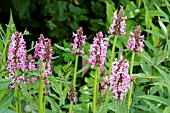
(120, 80)
(98, 50)
(16, 53)
(43, 51)
(103, 85)
(118, 26)
(135, 43)
(79, 41)
(72, 94)
(30, 63)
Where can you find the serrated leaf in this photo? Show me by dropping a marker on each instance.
(55, 80)
(84, 68)
(34, 73)
(54, 106)
(62, 48)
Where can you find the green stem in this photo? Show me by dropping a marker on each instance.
(74, 82)
(95, 90)
(131, 84)
(71, 106)
(98, 75)
(44, 103)
(41, 87)
(16, 97)
(110, 67)
(3, 54)
(31, 107)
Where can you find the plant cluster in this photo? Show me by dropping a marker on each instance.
(125, 69)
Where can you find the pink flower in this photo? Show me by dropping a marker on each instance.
(98, 50)
(79, 41)
(118, 26)
(43, 51)
(72, 94)
(30, 63)
(16, 53)
(120, 80)
(135, 43)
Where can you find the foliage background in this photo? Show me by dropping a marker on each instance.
(57, 19)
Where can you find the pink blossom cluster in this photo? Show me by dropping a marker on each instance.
(98, 50)
(72, 94)
(17, 80)
(120, 80)
(135, 43)
(118, 26)
(79, 41)
(16, 54)
(43, 51)
(30, 63)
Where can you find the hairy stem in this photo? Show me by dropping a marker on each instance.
(41, 87)
(131, 84)
(110, 69)
(74, 82)
(95, 90)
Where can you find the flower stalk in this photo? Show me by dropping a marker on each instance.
(74, 82)
(110, 69)
(131, 84)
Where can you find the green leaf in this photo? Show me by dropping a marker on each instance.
(109, 12)
(62, 48)
(55, 80)
(7, 111)
(61, 7)
(34, 73)
(21, 6)
(10, 28)
(162, 13)
(4, 83)
(156, 33)
(163, 28)
(54, 106)
(131, 10)
(76, 10)
(84, 68)
(153, 107)
(74, 25)
(156, 98)
(5, 101)
(167, 109)
(146, 68)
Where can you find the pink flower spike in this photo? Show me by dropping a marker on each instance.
(120, 80)
(118, 26)
(98, 50)
(79, 41)
(135, 42)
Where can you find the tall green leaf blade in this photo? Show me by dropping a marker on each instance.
(156, 98)
(10, 28)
